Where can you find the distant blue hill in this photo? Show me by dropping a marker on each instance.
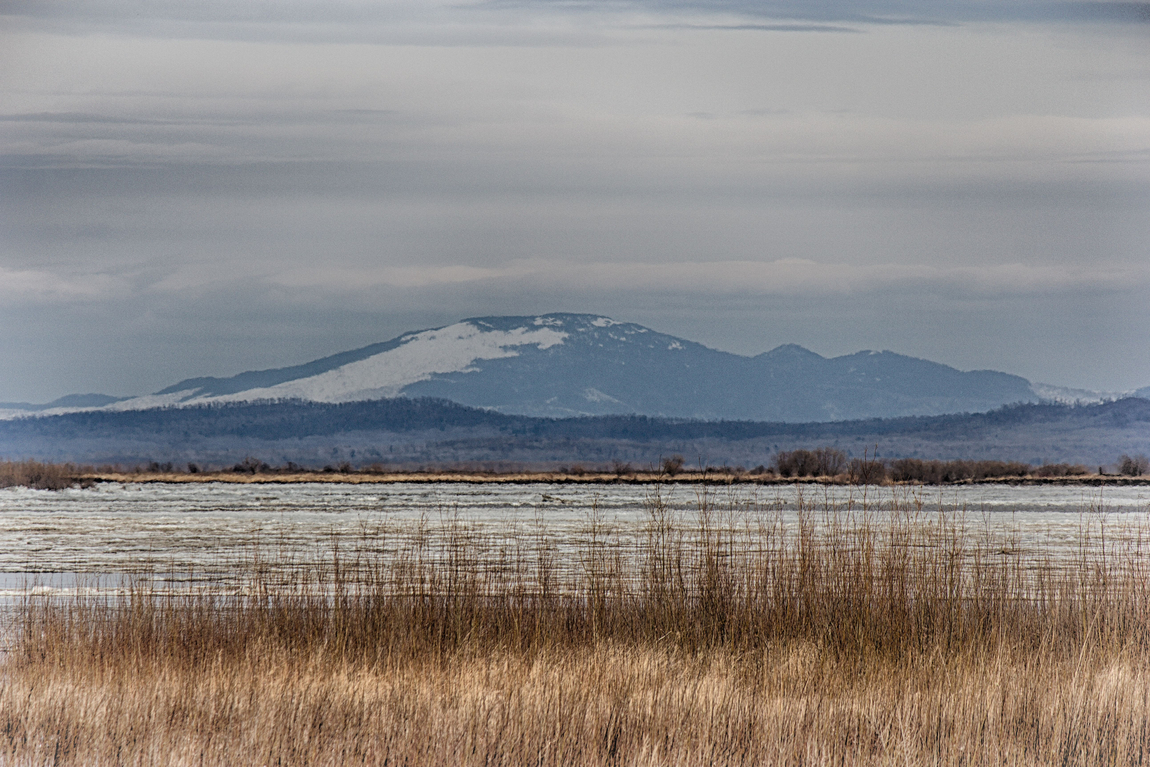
(561, 365)
(69, 401)
(416, 432)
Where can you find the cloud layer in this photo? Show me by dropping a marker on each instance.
(202, 188)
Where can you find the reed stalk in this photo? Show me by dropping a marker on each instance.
(853, 637)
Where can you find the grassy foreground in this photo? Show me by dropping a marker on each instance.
(856, 638)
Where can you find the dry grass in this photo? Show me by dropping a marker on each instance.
(903, 638)
(43, 476)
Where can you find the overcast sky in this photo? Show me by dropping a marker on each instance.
(199, 187)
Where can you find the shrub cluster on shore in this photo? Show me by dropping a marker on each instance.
(890, 637)
(826, 463)
(42, 476)
(1133, 466)
(829, 462)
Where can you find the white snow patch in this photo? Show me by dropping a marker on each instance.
(144, 402)
(594, 395)
(1068, 396)
(452, 349)
(604, 322)
(553, 322)
(148, 401)
(674, 345)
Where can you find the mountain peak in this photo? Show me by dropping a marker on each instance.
(562, 320)
(567, 364)
(790, 352)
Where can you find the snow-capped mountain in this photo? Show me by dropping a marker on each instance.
(374, 372)
(578, 364)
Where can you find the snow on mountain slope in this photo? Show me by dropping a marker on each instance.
(418, 356)
(453, 349)
(560, 365)
(1067, 396)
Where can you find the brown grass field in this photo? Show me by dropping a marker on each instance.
(860, 638)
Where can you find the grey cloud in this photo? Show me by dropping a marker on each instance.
(749, 27)
(213, 11)
(309, 21)
(73, 118)
(448, 23)
(877, 11)
(172, 208)
(768, 279)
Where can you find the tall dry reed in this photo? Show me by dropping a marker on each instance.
(847, 638)
(42, 476)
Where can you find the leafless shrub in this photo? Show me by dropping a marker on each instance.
(941, 472)
(821, 462)
(795, 463)
(867, 471)
(1133, 466)
(1061, 470)
(42, 476)
(251, 465)
(621, 468)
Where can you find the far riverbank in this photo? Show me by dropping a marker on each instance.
(584, 478)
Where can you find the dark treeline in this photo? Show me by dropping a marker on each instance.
(829, 462)
(821, 462)
(294, 419)
(265, 420)
(824, 463)
(941, 472)
(430, 433)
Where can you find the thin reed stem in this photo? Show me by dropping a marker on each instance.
(860, 634)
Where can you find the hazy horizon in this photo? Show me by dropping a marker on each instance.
(200, 189)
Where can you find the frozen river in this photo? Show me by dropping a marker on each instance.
(171, 530)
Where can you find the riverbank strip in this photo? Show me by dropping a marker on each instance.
(588, 478)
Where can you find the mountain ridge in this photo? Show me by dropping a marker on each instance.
(427, 432)
(563, 364)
